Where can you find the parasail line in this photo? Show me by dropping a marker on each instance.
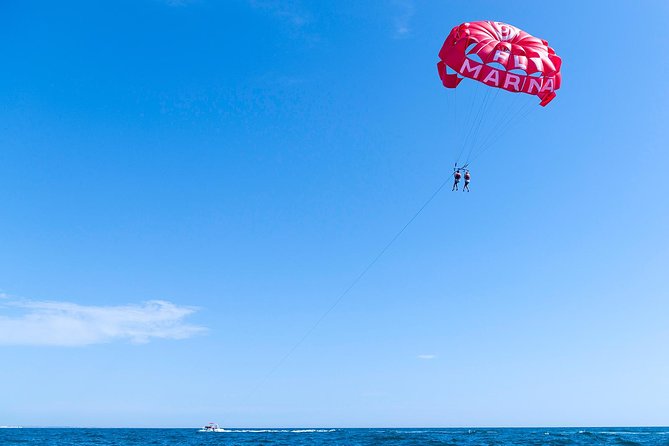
(466, 123)
(477, 129)
(521, 113)
(351, 285)
(479, 109)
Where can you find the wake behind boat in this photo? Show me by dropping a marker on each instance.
(212, 427)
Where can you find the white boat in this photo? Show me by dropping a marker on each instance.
(212, 427)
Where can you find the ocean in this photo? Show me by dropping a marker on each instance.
(355, 437)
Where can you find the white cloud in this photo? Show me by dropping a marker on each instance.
(405, 11)
(49, 323)
(426, 356)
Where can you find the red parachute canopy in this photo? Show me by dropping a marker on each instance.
(508, 58)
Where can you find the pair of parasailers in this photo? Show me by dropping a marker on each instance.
(457, 176)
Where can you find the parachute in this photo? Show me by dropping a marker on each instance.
(497, 57)
(508, 58)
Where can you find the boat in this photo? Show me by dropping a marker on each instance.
(212, 427)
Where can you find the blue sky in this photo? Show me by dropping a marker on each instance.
(186, 186)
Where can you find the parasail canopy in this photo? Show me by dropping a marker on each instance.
(502, 56)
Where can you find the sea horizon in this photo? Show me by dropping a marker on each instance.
(348, 427)
(409, 436)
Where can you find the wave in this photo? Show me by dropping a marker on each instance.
(276, 431)
(624, 432)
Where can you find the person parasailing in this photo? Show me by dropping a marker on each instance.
(468, 177)
(456, 179)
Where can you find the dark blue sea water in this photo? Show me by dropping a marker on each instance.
(353, 437)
